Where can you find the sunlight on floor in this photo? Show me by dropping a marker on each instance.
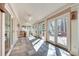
(31, 37)
(51, 50)
(38, 45)
(35, 41)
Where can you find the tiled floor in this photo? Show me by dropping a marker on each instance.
(36, 47)
(22, 48)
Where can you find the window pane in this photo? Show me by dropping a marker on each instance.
(51, 30)
(62, 31)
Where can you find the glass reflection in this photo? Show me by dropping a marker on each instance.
(51, 31)
(62, 31)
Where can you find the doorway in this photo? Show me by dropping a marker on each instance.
(59, 31)
(8, 32)
(51, 31)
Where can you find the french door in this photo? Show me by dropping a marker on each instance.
(59, 31)
(8, 32)
(51, 31)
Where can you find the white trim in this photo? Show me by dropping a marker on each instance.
(3, 34)
(78, 29)
(68, 29)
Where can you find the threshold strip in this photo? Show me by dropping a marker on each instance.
(64, 53)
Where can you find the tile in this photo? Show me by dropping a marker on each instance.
(51, 50)
(58, 53)
(24, 47)
(64, 53)
(38, 45)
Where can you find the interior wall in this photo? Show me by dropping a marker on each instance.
(74, 48)
(74, 33)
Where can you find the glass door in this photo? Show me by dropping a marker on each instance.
(62, 31)
(51, 31)
(8, 32)
(59, 31)
(11, 30)
(42, 30)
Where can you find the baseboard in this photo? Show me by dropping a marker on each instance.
(11, 48)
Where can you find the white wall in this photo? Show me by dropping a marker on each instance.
(74, 49)
(75, 33)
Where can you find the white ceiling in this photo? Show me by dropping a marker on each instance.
(37, 11)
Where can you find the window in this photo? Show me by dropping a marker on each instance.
(51, 30)
(8, 32)
(59, 30)
(62, 31)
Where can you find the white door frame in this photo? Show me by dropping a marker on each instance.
(3, 34)
(68, 30)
